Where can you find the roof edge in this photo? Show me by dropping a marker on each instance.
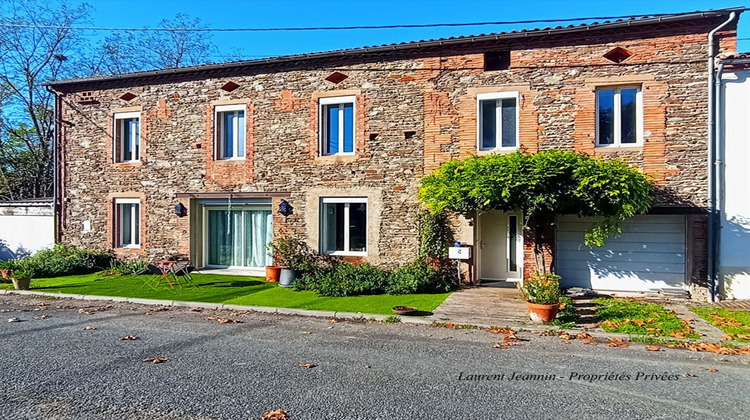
(406, 46)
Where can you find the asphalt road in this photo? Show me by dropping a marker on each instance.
(53, 368)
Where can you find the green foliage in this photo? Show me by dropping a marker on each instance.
(118, 268)
(436, 234)
(734, 323)
(633, 317)
(344, 279)
(567, 316)
(291, 253)
(64, 261)
(393, 319)
(546, 183)
(24, 269)
(542, 289)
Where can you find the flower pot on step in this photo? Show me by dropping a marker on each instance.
(272, 274)
(22, 284)
(542, 313)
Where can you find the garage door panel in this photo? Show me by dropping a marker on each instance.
(648, 255)
(624, 246)
(642, 257)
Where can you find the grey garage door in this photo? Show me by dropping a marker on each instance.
(648, 255)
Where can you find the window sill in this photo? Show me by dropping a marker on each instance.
(128, 164)
(346, 253)
(618, 147)
(237, 159)
(350, 157)
(501, 150)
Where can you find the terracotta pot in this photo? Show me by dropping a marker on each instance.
(272, 274)
(22, 284)
(542, 313)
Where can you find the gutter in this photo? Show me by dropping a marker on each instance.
(714, 168)
(56, 168)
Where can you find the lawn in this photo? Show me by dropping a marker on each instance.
(735, 324)
(236, 290)
(641, 318)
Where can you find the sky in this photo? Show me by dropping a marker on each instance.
(301, 13)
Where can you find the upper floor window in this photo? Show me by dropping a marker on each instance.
(619, 116)
(127, 143)
(128, 222)
(344, 226)
(230, 131)
(337, 125)
(498, 121)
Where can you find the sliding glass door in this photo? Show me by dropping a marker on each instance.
(238, 237)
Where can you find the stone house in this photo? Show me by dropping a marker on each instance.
(198, 160)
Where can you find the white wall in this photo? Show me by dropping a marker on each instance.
(734, 258)
(25, 226)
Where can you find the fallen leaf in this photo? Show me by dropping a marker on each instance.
(549, 333)
(501, 331)
(129, 338)
(307, 365)
(500, 346)
(653, 348)
(197, 309)
(510, 339)
(84, 311)
(14, 320)
(332, 321)
(305, 332)
(274, 415)
(565, 342)
(618, 342)
(727, 337)
(591, 340)
(449, 325)
(565, 336)
(41, 317)
(88, 328)
(713, 370)
(690, 375)
(155, 360)
(677, 334)
(583, 336)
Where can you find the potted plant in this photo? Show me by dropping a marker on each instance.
(273, 272)
(290, 254)
(22, 274)
(542, 294)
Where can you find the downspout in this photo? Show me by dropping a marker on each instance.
(713, 168)
(56, 181)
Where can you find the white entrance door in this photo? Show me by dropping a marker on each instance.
(500, 244)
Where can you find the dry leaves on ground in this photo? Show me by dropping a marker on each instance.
(41, 317)
(503, 346)
(197, 309)
(129, 338)
(275, 415)
(721, 321)
(42, 307)
(548, 333)
(713, 370)
(306, 365)
(716, 348)
(501, 331)
(223, 320)
(618, 342)
(332, 321)
(14, 319)
(241, 313)
(155, 360)
(88, 328)
(84, 311)
(653, 348)
(690, 375)
(565, 342)
(510, 339)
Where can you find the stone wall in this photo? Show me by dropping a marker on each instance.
(412, 113)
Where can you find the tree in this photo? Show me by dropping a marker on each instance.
(541, 186)
(124, 52)
(29, 57)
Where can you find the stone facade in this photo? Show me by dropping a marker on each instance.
(414, 110)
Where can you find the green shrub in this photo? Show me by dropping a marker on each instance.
(344, 279)
(64, 261)
(418, 278)
(436, 234)
(118, 268)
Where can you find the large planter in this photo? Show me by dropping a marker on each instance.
(22, 284)
(272, 274)
(542, 313)
(287, 277)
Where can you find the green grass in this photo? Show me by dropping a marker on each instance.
(725, 320)
(568, 316)
(236, 290)
(640, 318)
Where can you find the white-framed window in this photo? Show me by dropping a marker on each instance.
(497, 121)
(337, 126)
(229, 122)
(619, 116)
(127, 137)
(128, 222)
(343, 225)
